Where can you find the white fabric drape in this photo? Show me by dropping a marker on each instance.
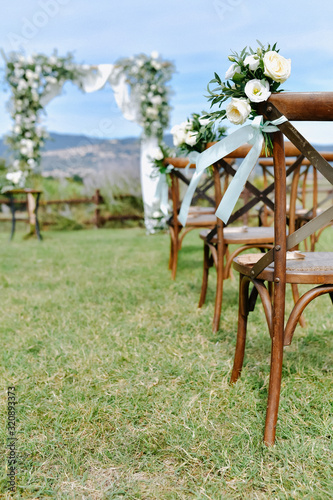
(95, 78)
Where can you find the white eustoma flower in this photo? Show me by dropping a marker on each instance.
(157, 154)
(257, 90)
(18, 72)
(179, 134)
(51, 79)
(276, 67)
(152, 112)
(31, 75)
(31, 163)
(204, 121)
(157, 65)
(191, 138)
(232, 70)
(252, 62)
(22, 85)
(156, 100)
(238, 110)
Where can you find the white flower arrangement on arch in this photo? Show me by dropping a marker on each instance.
(148, 77)
(30, 79)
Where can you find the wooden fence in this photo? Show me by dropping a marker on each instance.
(97, 200)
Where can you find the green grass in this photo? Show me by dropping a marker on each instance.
(123, 390)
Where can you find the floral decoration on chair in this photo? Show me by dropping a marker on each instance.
(251, 78)
(195, 133)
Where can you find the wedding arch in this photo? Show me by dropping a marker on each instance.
(140, 89)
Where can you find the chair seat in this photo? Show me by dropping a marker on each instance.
(202, 210)
(244, 236)
(201, 220)
(315, 268)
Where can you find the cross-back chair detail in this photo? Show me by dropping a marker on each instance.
(217, 241)
(199, 217)
(317, 267)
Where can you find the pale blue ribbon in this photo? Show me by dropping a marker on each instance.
(252, 134)
(162, 191)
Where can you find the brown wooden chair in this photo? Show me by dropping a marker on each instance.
(199, 216)
(217, 242)
(308, 196)
(273, 267)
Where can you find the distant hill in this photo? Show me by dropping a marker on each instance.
(67, 154)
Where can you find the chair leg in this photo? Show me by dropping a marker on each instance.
(275, 376)
(219, 287)
(204, 284)
(173, 259)
(243, 312)
(171, 253)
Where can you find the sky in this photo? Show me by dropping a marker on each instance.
(196, 35)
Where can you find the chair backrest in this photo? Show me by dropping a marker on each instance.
(203, 191)
(306, 106)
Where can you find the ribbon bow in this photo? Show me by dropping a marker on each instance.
(252, 134)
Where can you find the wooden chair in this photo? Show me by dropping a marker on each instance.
(199, 217)
(273, 267)
(307, 197)
(217, 242)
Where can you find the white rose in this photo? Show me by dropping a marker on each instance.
(234, 68)
(252, 62)
(238, 111)
(276, 67)
(191, 138)
(157, 154)
(257, 90)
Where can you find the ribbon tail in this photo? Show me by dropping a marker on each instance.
(237, 184)
(188, 197)
(164, 205)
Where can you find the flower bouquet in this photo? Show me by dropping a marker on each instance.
(251, 79)
(196, 133)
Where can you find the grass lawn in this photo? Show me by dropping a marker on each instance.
(123, 390)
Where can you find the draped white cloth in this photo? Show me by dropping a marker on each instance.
(93, 78)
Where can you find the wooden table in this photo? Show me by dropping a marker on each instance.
(32, 201)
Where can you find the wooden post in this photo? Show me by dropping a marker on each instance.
(98, 199)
